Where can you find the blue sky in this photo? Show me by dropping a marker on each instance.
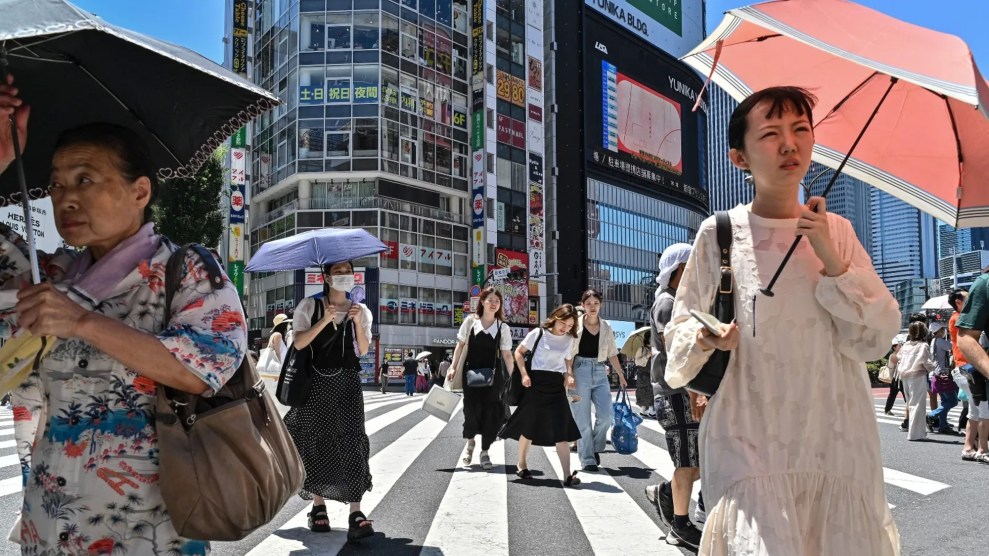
(198, 24)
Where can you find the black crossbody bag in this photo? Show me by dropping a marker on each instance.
(484, 376)
(712, 373)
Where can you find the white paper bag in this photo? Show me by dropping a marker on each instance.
(441, 403)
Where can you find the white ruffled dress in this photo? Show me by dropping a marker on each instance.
(790, 457)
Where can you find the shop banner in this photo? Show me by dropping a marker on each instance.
(238, 166)
(235, 270)
(515, 287)
(237, 202)
(239, 140)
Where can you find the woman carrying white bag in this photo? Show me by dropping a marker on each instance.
(270, 358)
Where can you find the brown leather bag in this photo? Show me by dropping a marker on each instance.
(228, 464)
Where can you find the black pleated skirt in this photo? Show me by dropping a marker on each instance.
(543, 416)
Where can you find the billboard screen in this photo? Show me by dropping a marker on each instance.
(638, 114)
(674, 26)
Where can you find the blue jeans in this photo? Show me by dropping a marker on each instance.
(410, 385)
(593, 389)
(948, 401)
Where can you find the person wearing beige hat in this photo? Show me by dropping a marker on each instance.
(280, 337)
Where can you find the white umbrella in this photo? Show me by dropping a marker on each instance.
(635, 341)
(423, 354)
(935, 303)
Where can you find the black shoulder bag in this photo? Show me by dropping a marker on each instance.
(295, 380)
(485, 376)
(712, 373)
(513, 388)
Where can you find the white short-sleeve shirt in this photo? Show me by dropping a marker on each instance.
(552, 352)
(301, 319)
(472, 325)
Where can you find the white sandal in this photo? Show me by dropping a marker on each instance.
(485, 461)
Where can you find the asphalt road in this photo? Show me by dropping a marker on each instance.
(422, 498)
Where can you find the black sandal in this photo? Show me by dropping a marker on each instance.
(360, 527)
(572, 480)
(524, 474)
(318, 514)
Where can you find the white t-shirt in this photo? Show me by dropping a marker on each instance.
(304, 311)
(552, 352)
(472, 325)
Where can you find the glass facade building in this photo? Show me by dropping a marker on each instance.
(372, 133)
(728, 187)
(902, 240)
(849, 197)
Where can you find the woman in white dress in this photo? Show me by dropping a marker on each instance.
(790, 457)
(915, 362)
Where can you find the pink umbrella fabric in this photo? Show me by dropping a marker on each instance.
(929, 142)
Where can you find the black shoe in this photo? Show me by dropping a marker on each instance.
(949, 431)
(661, 496)
(685, 536)
(591, 468)
(931, 423)
(360, 527)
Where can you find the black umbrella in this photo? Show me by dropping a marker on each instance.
(73, 68)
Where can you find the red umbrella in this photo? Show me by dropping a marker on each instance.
(900, 107)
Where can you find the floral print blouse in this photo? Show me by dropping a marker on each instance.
(84, 422)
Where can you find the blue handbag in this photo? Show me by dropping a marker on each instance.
(624, 437)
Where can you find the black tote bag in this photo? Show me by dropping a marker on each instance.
(295, 380)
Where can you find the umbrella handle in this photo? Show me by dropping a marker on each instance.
(22, 178)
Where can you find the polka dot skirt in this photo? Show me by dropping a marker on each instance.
(329, 434)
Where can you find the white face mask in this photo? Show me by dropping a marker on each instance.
(342, 282)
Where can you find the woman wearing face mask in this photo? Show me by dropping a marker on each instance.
(329, 429)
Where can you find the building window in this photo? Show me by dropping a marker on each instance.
(312, 33)
(460, 16)
(389, 34)
(366, 31)
(338, 85)
(366, 89)
(337, 144)
(408, 295)
(460, 62)
(338, 32)
(389, 303)
(410, 42)
(409, 93)
(366, 137)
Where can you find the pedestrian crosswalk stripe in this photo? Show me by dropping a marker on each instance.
(8, 460)
(7, 444)
(387, 466)
(485, 525)
(6, 432)
(368, 406)
(610, 519)
(912, 483)
(382, 421)
(11, 485)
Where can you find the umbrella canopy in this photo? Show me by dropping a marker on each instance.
(937, 303)
(423, 354)
(315, 248)
(73, 68)
(635, 341)
(929, 142)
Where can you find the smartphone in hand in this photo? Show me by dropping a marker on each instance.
(709, 321)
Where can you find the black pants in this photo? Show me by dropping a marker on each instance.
(895, 387)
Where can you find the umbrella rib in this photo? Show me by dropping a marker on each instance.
(128, 109)
(43, 41)
(961, 156)
(850, 94)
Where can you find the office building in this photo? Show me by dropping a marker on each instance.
(627, 153)
(387, 119)
(728, 187)
(902, 240)
(848, 197)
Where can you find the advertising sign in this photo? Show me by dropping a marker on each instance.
(237, 204)
(46, 236)
(514, 287)
(238, 166)
(239, 140)
(674, 26)
(239, 58)
(236, 242)
(510, 88)
(639, 121)
(235, 270)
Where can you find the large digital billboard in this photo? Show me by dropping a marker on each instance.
(638, 114)
(674, 26)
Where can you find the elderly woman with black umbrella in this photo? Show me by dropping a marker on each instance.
(92, 473)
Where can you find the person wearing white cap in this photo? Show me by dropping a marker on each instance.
(677, 410)
(941, 381)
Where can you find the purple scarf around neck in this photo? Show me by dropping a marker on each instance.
(98, 279)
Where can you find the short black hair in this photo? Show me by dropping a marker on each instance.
(918, 317)
(954, 296)
(132, 153)
(781, 99)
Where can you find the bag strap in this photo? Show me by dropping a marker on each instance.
(497, 345)
(724, 251)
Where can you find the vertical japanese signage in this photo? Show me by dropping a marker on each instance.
(238, 156)
(534, 133)
(239, 42)
(477, 134)
(514, 287)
